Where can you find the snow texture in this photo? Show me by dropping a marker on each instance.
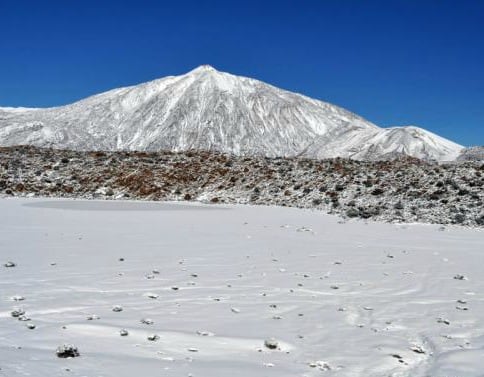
(330, 299)
(210, 110)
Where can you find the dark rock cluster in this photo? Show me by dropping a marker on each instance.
(403, 190)
(67, 351)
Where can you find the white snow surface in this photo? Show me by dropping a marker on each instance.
(340, 299)
(210, 110)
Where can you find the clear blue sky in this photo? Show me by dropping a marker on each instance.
(394, 62)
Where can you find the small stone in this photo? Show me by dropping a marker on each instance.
(17, 298)
(271, 343)
(117, 308)
(321, 365)
(153, 338)
(147, 321)
(417, 349)
(17, 313)
(235, 310)
(23, 318)
(93, 317)
(444, 321)
(9, 264)
(460, 277)
(205, 333)
(30, 326)
(67, 350)
(192, 349)
(123, 332)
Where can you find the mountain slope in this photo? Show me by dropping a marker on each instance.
(472, 154)
(210, 110)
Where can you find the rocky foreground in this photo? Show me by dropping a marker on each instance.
(405, 190)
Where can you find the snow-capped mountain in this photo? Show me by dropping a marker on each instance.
(211, 110)
(472, 154)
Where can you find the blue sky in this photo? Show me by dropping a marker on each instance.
(393, 62)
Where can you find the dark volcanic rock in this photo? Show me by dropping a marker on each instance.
(67, 350)
(402, 190)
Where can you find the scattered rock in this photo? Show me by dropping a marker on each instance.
(418, 349)
(16, 313)
(321, 365)
(443, 320)
(205, 333)
(67, 351)
(271, 343)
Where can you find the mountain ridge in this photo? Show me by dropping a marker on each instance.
(210, 110)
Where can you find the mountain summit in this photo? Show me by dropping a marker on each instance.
(210, 110)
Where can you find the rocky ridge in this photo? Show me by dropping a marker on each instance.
(402, 190)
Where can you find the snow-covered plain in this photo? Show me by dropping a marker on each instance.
(341, 299)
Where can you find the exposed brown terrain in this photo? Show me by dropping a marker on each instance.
(403, 190)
